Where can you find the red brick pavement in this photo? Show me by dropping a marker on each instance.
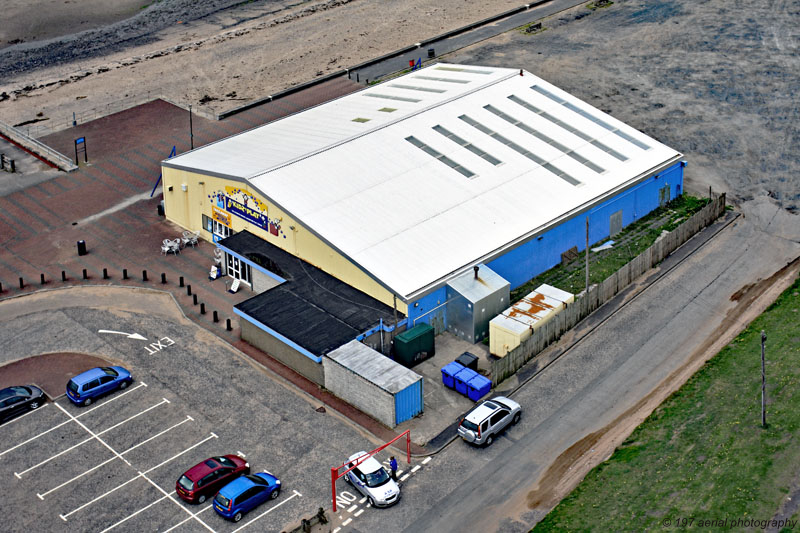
(38, 234)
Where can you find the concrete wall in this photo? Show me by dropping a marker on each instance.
(204, 195)
(359, 392)
(284, 353)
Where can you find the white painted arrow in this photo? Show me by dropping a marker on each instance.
(135, 336)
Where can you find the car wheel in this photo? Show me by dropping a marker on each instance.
(516, 418)
(275, 493)
(237, 516)
(87, 402)
(123, 385)
(489, 440)
(371, 501)
(34, 404)
(201, 499)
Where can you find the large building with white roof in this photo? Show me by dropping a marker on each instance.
(403, 186)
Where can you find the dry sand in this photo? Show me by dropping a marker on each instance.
(232, 55)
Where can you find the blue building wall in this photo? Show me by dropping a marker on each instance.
(424, 310)
(534, 257)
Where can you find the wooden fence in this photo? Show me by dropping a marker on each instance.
(597, 295)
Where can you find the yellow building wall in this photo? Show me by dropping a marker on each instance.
(187, 207)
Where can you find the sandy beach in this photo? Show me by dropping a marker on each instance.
(221, 56)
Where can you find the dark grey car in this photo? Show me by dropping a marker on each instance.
(17, 400)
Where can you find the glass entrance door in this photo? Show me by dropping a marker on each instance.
(238, 269)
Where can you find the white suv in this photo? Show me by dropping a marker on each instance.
(488, 419)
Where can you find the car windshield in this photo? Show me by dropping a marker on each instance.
(377, 478)
(72, 386)
(501, 404)
(257, 479)
(186, 483)
(110, 371)
(469, 425)
(222, 500)
(224, 461)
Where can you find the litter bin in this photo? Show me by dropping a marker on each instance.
(160, 208)
(431, 53)
(81, 247)
(462, 378)
(449, 372)
(478, 387)
(468, 360)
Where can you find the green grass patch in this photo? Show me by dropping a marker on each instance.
(630, 242)
(703, 454)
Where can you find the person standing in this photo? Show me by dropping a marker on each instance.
(393, 466)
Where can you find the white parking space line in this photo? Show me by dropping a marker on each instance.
(173, 500)
(89, 431)
(362, 500)
(358, 513)
(347, 522)
(415, 469)
(290, 498)
(353, 508)
(6, 424)
(405, 477)
(336, 530)
(179, 524)
(59, 454)
(42, 495)
(109, 528)
(139, 475)
(142, 384)
(426, 460)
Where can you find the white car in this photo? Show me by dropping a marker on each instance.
(372, 480)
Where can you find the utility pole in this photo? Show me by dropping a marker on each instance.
(587, 255)
(191, 131)
(763, 382)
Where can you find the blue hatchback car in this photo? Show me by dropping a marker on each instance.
(244, 494)
(85, 387)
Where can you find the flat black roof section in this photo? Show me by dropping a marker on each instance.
(312, 308)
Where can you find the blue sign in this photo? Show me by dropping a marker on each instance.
(79, 140)
(242, 211)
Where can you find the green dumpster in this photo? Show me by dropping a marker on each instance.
(414, 345)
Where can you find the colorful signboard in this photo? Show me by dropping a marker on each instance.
(251, 215)
(223, 217)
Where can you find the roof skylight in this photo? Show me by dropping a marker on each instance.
(441, 157)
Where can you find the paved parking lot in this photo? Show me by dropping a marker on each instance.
(112, 466)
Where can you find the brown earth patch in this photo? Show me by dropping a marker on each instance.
(50, 372)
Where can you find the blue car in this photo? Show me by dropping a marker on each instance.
(244, 494)
(85, 387)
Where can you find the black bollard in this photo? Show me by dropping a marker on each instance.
(42, 278)
(189, 290)
(63, 276)
(21, 284)
(194, 299)
(85, 274)
(228, 324)
(163, 278)
(202, 308)
(144, 275)
(216, 317)
(124, 273)
(181, 281)
(105, 273)
(1, 287)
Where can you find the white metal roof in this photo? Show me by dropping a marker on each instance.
(423, 176)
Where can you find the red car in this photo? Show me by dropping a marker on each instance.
(206, 478)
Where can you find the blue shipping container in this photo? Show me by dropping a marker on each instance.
(449, 372)
(408, 402)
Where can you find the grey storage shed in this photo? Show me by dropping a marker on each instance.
(373, 383)
(473, 299)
